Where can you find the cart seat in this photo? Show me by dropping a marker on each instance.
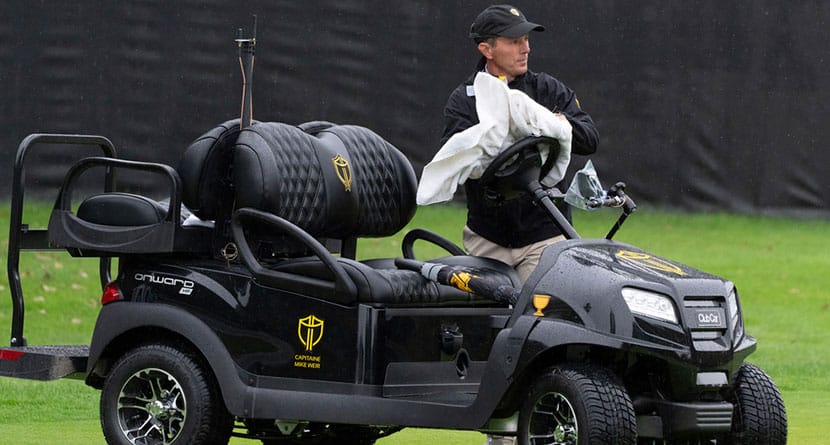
(119, 223)
(407, 287)
(380, 283)
(341, 182)
(121, 209)
(126, 209)
(206, 172)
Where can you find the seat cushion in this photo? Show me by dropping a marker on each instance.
(379, 282)
(121, 209)
(205, 171)
(489, 267)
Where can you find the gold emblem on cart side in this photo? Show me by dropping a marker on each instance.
(540, 301)
(344, 172)
(310, 331)
(650, 262)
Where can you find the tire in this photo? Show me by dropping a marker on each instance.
(759, 416)
(158, 395)
(577, 405)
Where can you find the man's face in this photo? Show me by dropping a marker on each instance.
(506, 56)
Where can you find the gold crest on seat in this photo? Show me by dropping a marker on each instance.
(344, 172)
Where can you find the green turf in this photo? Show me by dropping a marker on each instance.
(780, 266)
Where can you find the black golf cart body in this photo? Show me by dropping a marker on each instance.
(259, 289)
(293, 332)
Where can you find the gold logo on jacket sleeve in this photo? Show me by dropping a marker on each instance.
(344, 172)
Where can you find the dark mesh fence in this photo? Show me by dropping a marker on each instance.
(701, 105)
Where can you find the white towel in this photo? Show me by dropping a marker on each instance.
(505, 116)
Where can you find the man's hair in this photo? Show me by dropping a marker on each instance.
(489, 40)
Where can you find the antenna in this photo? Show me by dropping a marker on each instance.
(246, 64)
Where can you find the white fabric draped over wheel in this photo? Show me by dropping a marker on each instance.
(505, 116)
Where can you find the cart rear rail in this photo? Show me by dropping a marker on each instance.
(23, 237)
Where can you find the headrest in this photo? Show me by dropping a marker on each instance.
(205, 170)
(344, 181)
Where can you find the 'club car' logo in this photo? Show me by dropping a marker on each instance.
(344, 172)
(648, 261)
(310, 331)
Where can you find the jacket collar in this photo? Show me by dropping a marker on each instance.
(482, 62)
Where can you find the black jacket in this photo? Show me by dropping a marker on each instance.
(518, 222)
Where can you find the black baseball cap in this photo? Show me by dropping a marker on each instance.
(501, 20)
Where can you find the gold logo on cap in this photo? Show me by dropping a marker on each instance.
(515, 12)
(344, 172)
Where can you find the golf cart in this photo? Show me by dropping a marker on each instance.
(239, 308)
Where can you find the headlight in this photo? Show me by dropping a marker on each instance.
(650, 304)
(736, 326)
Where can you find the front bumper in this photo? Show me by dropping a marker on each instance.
(678, 419)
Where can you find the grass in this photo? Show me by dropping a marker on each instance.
(780, 266)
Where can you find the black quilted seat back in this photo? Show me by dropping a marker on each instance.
(205, 170)
(344, 181)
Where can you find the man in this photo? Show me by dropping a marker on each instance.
(517, 231)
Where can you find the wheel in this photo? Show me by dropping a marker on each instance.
(158, 395)
(759, 416)
(577, 405)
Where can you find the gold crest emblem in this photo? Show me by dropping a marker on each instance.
(344, 172)
(514, 11)
(650, 262)
(310, 331)
(540, 301)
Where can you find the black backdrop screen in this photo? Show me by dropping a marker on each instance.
(700, 105)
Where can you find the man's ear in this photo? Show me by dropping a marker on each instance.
(486, 50)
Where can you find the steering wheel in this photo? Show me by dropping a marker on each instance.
(516, 167)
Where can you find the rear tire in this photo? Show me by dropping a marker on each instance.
(158, 395)
(577, 405)
(759, 417)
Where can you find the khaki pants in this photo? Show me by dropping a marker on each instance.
(523, 259)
